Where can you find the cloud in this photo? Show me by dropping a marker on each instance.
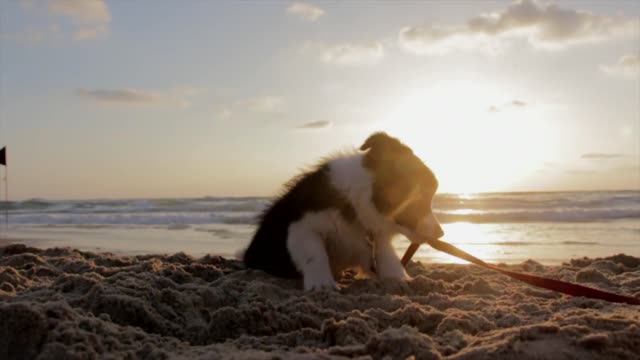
(82, 11)
(545, 26)
(511, 104)
(321, 124)
(304, 11)
(551, 25)
(264, 104)
(436, 40)
(628, 66)
(352, 54)
(88, 19)
(137, 96)
(601, 156)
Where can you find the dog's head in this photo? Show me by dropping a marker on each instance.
(403, 186)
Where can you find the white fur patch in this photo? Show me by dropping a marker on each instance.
(355, 182)
(323, 244)
(388, 264)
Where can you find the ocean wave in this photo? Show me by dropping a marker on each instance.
(139, 205)
(574, 215)
(251, 217)
(529, 243)
(579, 243)
(174, 219)
(512, 201)
(473, 208)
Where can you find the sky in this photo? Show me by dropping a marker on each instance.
(139, 99)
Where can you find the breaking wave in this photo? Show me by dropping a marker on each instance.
(474, 208)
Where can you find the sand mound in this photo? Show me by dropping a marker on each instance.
(67, 304)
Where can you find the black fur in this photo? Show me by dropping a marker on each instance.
(309, 192)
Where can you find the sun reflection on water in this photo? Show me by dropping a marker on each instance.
(473, 238)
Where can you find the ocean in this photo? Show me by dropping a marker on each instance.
(548, 227)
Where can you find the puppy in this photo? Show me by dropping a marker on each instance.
(344, 213)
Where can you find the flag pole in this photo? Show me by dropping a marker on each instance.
(6, 197)
(3, 161)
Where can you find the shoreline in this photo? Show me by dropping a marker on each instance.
(70, 303)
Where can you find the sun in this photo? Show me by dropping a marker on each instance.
(471, 146)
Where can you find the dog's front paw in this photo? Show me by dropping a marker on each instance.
(393, 272)
(317, 282)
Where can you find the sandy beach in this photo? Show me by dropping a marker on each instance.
(145, 145)
(62, 303)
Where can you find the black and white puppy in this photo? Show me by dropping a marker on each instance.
(343, 214)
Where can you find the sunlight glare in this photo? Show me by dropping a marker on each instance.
(469, 237)
(470, 148)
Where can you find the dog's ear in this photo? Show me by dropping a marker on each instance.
(381, 140)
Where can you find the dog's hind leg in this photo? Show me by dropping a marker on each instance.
(308, 253)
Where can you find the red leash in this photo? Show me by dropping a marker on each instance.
(550, 284)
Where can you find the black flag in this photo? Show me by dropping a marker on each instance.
(3, 156)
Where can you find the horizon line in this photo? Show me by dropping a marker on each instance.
(275, 195)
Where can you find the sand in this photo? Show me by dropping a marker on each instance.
(63, 303)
